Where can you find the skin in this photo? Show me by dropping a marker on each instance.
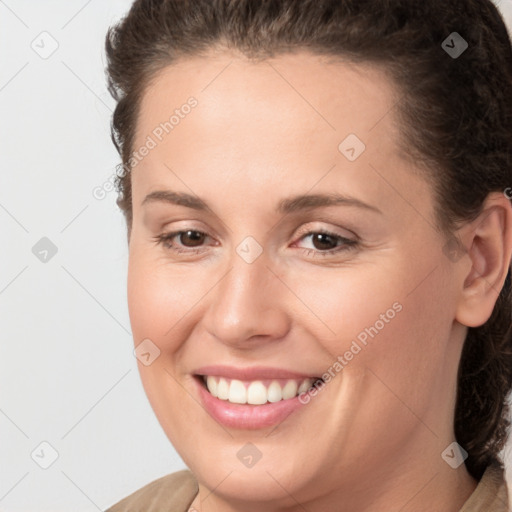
(372, 439)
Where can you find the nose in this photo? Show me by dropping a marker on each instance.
(248, 305)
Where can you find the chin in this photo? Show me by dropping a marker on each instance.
(258, 486)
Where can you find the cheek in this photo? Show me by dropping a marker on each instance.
(158, 301)
(349, 304)
(404, 350)
(377, 319)
(158, 297)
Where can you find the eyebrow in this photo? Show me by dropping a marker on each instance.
(285, 206)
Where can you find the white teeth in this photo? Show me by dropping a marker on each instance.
(290, 390)
(211, 382)
(255, 392)
(274, 393)
(223, 389)
(306, 384)
(237, 392)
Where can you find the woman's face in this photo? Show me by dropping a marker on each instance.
(273, 154)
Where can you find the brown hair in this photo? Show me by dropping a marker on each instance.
(455, 115)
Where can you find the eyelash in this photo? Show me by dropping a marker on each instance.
(348, 244)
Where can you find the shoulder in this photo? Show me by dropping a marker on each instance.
(175, 492)
(491, 494)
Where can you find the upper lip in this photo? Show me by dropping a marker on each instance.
(251, 373)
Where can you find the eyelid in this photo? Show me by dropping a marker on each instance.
(165, 237)
(316, 227)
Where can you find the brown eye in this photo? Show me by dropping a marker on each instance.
(191, 238)
(187, 240)
(323, 241)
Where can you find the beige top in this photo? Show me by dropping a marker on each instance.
(176, 492)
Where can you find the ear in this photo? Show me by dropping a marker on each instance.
(488, 244)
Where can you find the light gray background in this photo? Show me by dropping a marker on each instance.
(68, 376)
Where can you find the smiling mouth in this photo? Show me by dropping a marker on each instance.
(256, 392)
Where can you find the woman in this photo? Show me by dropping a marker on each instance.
(319, 249)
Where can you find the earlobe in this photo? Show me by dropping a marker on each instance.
(488, 240)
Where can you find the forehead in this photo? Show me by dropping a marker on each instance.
(330, 93)
(283, 121)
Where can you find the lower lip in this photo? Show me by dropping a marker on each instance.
(247, 416)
